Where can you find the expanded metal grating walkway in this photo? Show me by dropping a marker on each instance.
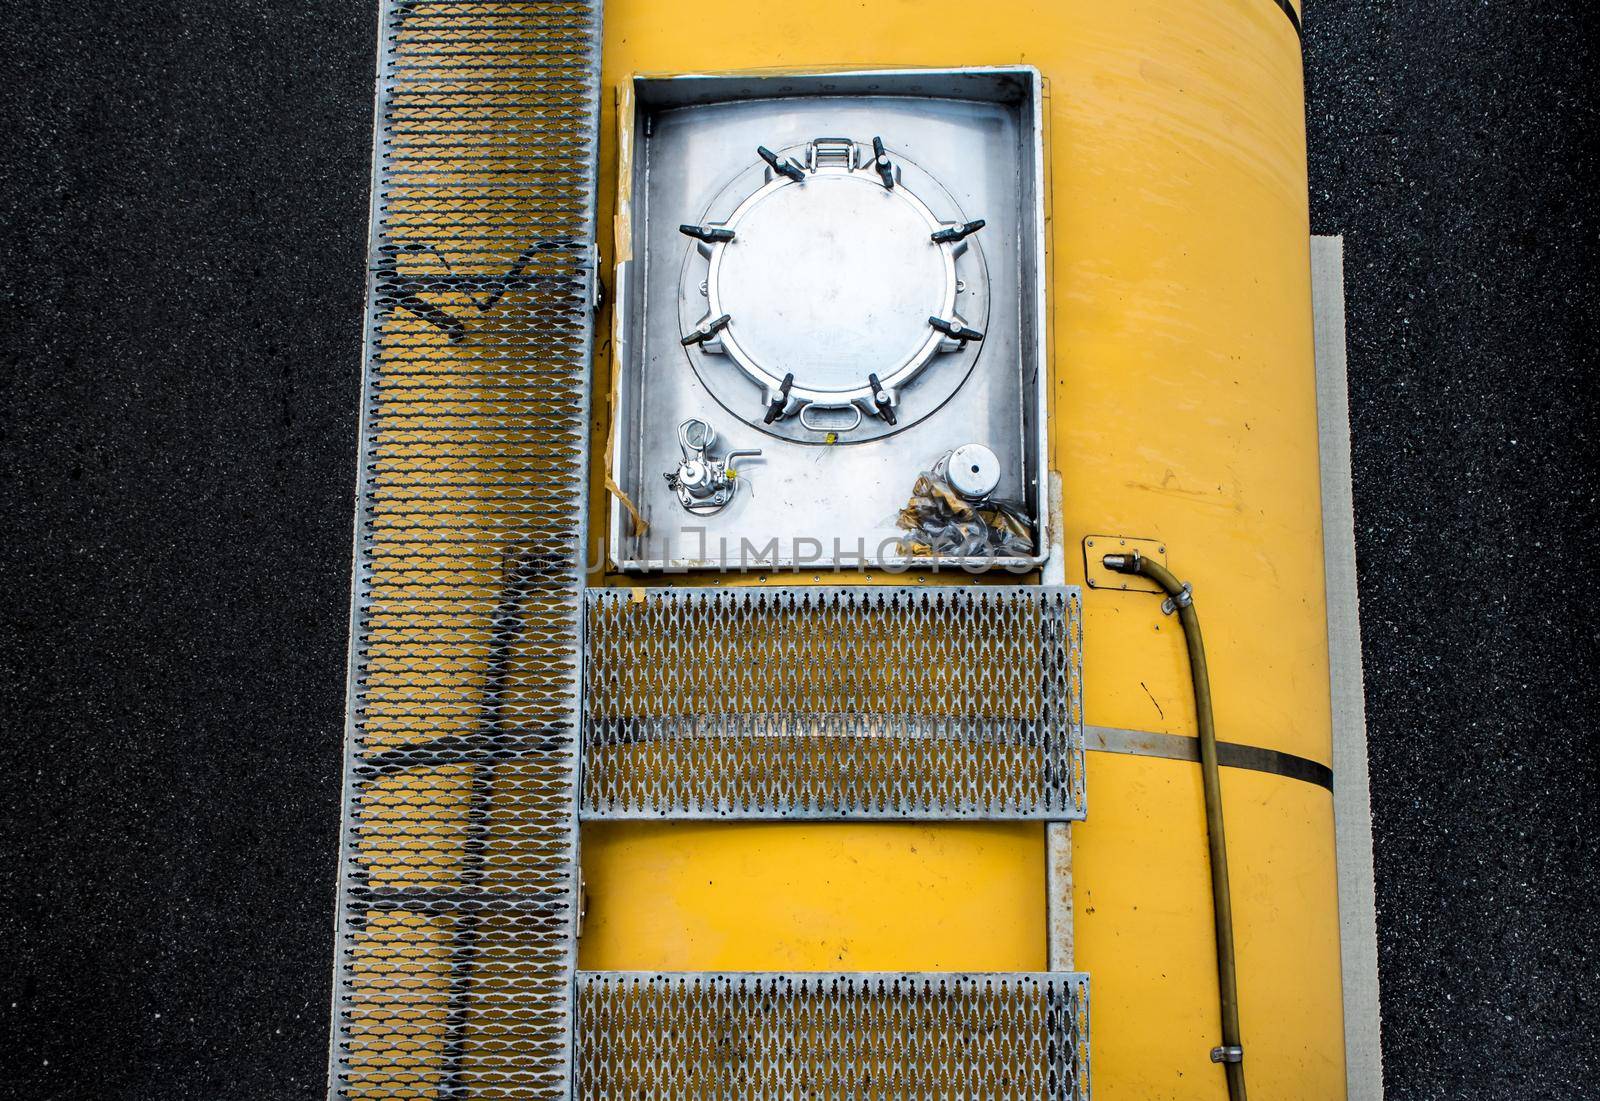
(458, 875)
(458, 885)
(863, 1036)
(855, 702)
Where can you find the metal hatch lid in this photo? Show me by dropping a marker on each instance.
(835, 276)
(654, 543)
(825, 286)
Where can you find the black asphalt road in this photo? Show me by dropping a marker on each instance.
(183, 217)
(1452, 145)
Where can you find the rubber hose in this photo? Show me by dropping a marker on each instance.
(1221, 897)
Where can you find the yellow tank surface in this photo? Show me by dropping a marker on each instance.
(1182, 412)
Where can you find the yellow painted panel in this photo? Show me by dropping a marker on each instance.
(1143, 928)
(823, 897)
(1285, 897)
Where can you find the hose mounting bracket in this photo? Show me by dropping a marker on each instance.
(1234, 1054)
(1182, 600)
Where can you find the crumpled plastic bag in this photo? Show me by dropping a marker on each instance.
(942, 523)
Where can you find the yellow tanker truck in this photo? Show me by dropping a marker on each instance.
(800, 445)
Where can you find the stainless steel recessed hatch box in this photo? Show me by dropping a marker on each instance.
(829, 339)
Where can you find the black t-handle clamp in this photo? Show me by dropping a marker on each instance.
(954, 331)
(952, 234)
(707, 331)
(710, 235)
(781, 164)
(880, 161)
(880, 398)
(776, 407)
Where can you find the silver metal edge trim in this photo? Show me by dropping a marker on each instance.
(1041, 350)
(1352, 802)
(1075, 978)
(382, 85)
(581, 564)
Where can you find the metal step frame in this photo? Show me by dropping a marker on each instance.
(834, 702)
(885, 1036)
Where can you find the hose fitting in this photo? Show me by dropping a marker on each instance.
(1123, 563)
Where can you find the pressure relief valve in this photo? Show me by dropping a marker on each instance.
(704, 484)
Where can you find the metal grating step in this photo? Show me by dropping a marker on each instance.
(860, 1036)
(847, 702)
(457, 906)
